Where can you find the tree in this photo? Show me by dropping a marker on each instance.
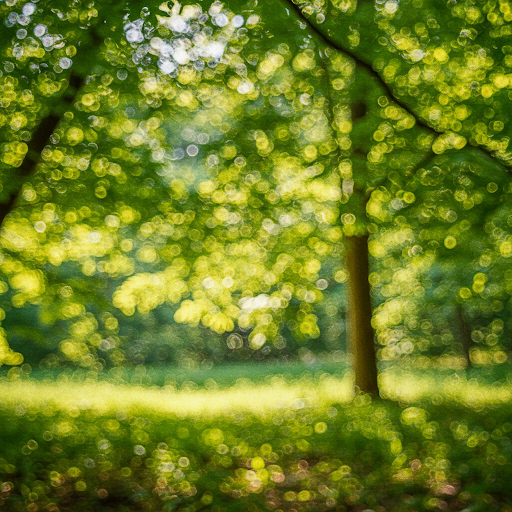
(291, 116)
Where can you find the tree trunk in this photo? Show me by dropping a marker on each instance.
(40, 139)
(465, 334)
(360, 332)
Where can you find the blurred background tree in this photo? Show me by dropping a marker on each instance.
(215, 166)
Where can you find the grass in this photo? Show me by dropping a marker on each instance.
(292, 441)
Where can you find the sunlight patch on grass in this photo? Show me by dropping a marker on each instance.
(103, 398)
(409, 387)
(260, 399)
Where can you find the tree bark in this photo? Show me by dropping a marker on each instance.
(360, 332)
(465, 334)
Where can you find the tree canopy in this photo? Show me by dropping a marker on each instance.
(216, 160)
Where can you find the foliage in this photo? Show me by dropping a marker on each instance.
(201, 159)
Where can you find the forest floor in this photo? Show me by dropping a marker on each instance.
(255, 437)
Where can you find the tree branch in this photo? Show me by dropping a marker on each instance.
(367, 67)
(358, 111)
(42, 132)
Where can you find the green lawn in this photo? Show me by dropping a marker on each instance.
(291, 441)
